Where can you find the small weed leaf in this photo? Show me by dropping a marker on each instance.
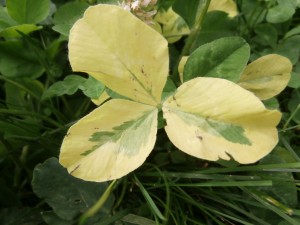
(67, 195)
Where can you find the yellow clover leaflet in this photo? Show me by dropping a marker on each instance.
(209, 118)
(267, 76)
(173, 26)
(228, 6)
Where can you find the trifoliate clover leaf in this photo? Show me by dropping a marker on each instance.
(209, 118)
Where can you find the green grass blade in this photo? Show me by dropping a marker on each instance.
(114, 218)
(271, 207)
(149, 200)
(226, 184)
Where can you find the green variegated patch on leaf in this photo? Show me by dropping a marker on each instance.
(229, 131)
(102, 137)
(267, 76)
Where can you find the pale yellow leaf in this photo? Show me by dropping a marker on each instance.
(111, 141)
(121, 51)
(267, 76)
(228, 6)
(173, 26)
(213, 118)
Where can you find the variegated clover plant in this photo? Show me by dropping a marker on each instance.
(216, 113)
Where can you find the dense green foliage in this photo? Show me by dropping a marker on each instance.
(41, 98)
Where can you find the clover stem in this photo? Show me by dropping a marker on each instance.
(98, 205)
(190, 42)
(195, 30)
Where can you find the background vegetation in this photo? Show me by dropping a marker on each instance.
(39, 101)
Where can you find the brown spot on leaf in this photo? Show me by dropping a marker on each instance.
(199, 137)
(143, 71)
(174, 99)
